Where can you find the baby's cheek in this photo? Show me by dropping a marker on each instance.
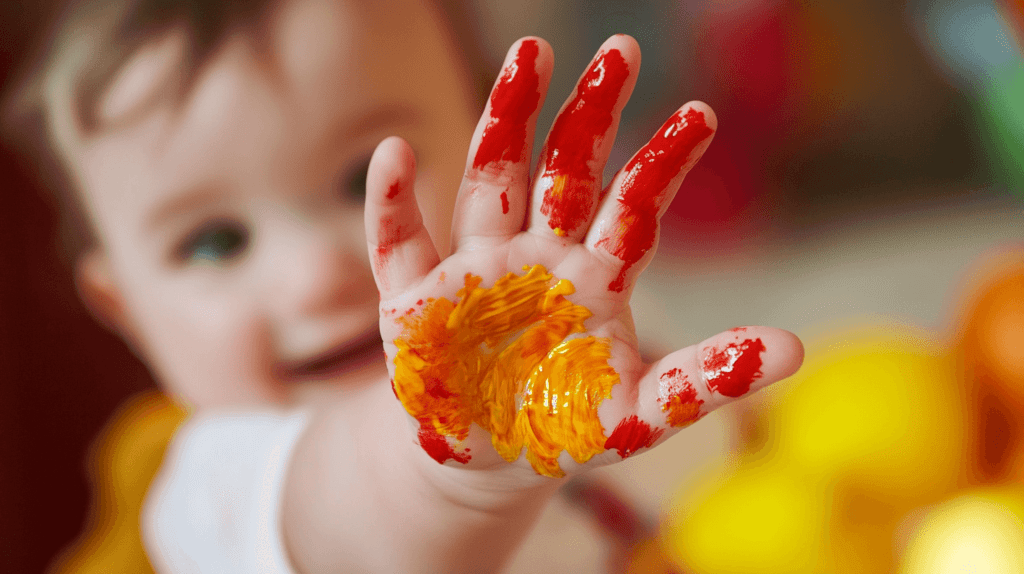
(212, 356)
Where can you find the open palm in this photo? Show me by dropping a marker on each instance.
(521, 340)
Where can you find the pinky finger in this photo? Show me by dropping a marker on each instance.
(401, 250)
(686, 385)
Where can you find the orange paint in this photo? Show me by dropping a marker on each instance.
(681, 402)
(499, 357)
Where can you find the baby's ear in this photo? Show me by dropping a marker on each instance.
(99, 292)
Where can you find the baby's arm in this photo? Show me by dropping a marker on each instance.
(515, 355)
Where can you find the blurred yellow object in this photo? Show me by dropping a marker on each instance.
(123, 462)
(881, 409)
(758, 519)
(978, 532)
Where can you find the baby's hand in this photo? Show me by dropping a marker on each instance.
(521, 340)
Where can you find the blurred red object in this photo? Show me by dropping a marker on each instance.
(1014, 12)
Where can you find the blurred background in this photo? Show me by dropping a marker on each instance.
(865, 190)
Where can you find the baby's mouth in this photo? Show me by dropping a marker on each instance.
(350, 355)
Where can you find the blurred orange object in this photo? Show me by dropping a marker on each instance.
(991, 347)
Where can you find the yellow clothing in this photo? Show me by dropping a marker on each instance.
(121, 465)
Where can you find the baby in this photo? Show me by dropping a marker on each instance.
(256, 230)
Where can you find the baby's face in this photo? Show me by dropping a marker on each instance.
(231, 228)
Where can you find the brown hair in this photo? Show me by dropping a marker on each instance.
(118, 29)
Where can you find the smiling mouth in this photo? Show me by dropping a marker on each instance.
(338, 360)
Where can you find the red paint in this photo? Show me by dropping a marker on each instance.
(394, 190)
(680, 402)
(568, 181)
(731, 370)
(437, 389)
(645, 186)
(504, 202)
(389, 234)
(393, 389)
(631, 435)
(437, 446)
(419, 302)
(513, 101)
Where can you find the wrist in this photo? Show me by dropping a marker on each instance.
(362, 496)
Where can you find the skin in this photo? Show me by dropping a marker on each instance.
(234, 298)
(274, 154)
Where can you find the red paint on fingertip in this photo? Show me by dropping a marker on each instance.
(568, 181)
(731, 370)
(394, 190)
(513, 100)
(504, 202)
(645, 186)
(437, 445)
(631, 435)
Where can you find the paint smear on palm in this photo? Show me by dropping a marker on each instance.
(499, 357)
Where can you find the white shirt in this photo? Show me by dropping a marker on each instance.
(215, 506)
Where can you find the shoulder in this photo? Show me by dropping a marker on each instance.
(215, 504)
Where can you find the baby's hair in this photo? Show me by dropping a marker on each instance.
(90, 41)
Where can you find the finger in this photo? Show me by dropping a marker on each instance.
(565, 193)
(686, 385)
(492, 199)
(400, 247)
(627, 223)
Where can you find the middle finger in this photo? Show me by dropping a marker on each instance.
(568, 184)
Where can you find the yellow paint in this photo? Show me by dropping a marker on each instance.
(556, 191)
(498, 357)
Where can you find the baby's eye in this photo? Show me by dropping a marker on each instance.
(351, 182)
(216, 242)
